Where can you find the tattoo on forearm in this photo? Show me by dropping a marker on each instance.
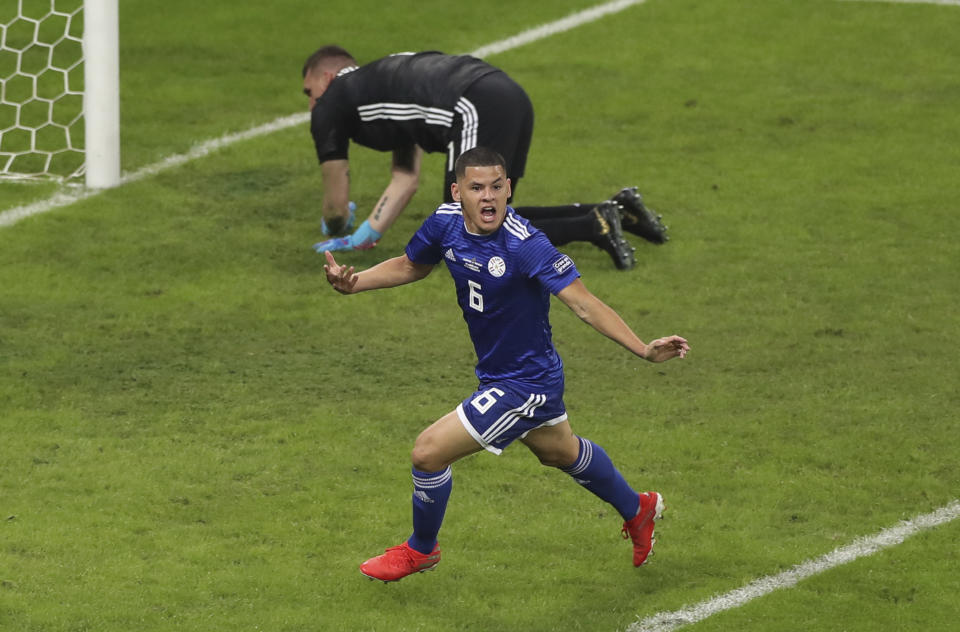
(376, 213)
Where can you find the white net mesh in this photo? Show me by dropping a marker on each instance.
(41, 88)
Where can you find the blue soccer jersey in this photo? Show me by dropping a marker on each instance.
(504, 281)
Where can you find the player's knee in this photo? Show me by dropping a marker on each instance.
(547, 460)
(558, 456)
(559, 450)
(424, 459)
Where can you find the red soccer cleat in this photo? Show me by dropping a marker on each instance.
(640, 527)
(398, 562)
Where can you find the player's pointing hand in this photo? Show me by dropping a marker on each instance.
(342, 278)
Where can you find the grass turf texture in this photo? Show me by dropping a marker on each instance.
(198, 435)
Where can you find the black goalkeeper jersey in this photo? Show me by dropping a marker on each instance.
(395, 102)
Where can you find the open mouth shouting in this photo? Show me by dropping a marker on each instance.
(488, 214)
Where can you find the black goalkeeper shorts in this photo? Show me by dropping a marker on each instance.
(496, 113)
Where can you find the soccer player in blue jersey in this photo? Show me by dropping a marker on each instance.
(504, 271)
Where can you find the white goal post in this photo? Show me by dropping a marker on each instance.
(60, 90)
(101, 96)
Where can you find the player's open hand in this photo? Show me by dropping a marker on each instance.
(663, 349)
(342, 278)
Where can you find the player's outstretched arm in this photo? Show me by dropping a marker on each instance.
(389, 273)
(604, 319)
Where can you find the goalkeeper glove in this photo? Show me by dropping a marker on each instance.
(363, 239)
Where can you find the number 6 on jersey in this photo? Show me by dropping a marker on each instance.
(476, 298)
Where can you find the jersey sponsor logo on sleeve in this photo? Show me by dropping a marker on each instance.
(563, 264)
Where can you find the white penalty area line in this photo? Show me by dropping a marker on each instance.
(666, 621)
(70, 196)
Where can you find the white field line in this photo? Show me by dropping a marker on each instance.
(546, 30)
(955, 3)
(69, 196)
(666, 621)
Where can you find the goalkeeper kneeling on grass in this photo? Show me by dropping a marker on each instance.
(408, 104)
(505, 271)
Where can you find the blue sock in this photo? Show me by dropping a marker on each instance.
(594, 470)
(431, 491)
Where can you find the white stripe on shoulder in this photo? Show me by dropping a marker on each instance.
(515, 227)
(449, 209)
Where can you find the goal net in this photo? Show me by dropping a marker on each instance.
(47, 48)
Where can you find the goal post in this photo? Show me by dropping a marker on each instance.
(101, 95)
(59, 90)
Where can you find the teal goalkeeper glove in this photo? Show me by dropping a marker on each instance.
(363, 239)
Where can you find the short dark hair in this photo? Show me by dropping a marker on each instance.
(324, 53)
(478, 157)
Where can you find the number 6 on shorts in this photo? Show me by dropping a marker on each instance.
(486, 399)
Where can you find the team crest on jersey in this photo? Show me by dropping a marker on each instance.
(496, 266)
(562, 264)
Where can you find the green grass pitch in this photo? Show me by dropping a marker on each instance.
(197, 434)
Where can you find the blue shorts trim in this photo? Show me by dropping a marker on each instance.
(502, 412)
